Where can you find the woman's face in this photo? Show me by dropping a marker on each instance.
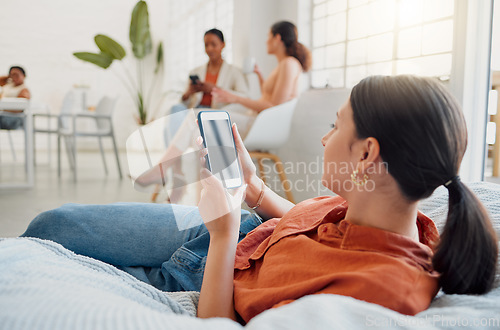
(213, 46)
(340, 154)
(272, 42)
(17, 76)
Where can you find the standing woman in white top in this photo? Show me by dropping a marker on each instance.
(13, 86)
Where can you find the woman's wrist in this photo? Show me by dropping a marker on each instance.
(254, 192)
(237, 98)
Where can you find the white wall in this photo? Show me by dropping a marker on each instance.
(42, 35)
(252, 22)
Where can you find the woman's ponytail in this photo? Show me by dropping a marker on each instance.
(289, 36)
(302, 54)
(466, 255)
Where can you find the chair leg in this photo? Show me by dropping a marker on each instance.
(102, 156)
(155, 194)
(12, 147)
(117, 156)
(26, 150)
(260, 162)
(279, 167)
(58, 155)
(74, 158)
(284, 182)
(69, 152)
(34, 148)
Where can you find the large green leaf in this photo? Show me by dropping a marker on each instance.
(110, 47)
(102, 60)
(159, 57)
(140, 36)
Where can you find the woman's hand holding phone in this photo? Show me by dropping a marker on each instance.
(206, 87)
(219, 209)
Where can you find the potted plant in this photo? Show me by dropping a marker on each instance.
(142, 45)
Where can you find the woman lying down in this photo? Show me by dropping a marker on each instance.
(402, 137)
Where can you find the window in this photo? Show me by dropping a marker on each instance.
(356, 38)
(187, 22)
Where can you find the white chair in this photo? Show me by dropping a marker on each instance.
(270, 131)
(26, 118)
(11, 144)
(67, 129)
(21, 104)
(51, 126)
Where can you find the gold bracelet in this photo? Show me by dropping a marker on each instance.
(261, 196)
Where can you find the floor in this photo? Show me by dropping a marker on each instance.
(19, 206)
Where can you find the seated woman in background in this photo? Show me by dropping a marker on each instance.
(400, 138)
(281, 86)
(216, 72)
(13, 86)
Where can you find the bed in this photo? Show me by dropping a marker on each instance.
(45, 286)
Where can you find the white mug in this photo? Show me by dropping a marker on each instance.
(248, 64)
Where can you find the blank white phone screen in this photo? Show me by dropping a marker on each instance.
(221, 152)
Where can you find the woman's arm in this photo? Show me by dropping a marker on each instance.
(3, 80)
(221, 213)
(285, 86)
(272, 204)
(259, 75)
(256, 105)
(24, 93)
(216, 295)
(192, 88)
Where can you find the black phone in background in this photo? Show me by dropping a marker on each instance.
(194, 79)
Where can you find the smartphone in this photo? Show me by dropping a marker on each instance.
(222, 158)
(194, 79)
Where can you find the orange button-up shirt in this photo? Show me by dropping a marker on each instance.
(312, 250)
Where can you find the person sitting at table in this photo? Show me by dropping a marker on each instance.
(13, 86)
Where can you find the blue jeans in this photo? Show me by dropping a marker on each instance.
(10, 122)
(141, 239)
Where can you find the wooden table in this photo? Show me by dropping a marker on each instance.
(27, 117)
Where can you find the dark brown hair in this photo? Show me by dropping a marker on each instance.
(422, 135)
(216, 32)
(17, 68)
(288, 33)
